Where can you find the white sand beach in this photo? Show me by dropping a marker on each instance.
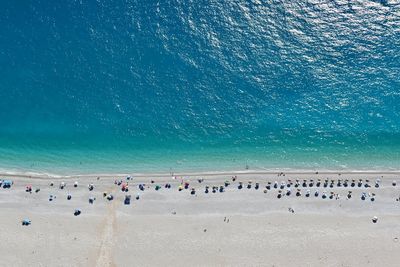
(167, 227)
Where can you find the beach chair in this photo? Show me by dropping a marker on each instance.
(26, 222)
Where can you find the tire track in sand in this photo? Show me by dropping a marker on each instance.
(105, 255)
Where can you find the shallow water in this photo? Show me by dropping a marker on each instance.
(189, 85)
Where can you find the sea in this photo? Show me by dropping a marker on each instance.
(127, 86)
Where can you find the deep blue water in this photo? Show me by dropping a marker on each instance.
(111, 86)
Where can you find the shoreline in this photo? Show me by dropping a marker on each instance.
(201, 173)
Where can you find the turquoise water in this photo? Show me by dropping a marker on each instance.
(131, 86)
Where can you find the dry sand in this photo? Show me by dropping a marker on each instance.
(170, 228)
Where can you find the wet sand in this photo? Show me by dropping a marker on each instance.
(244, 227)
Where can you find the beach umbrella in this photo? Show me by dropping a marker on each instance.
(298, 193)
(268, 186)
(363, 196)
(249, 185)
(283, 184)
(62, 185)
(372, 197)
(308, 193)
(91, 200)
(240, 186)
(124, 187)
(7, 183)
(127, 200)
(349, 195)
(186, 185)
